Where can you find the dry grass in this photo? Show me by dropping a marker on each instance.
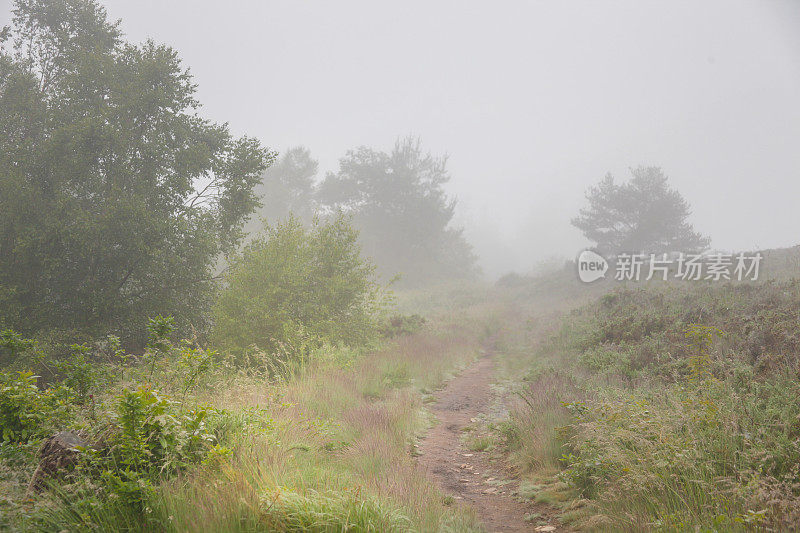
(330, 449)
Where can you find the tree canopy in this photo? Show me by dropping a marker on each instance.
(286, 189)
(117, 196)
(642, 215)
(399, 205)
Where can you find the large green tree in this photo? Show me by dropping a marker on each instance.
(399, 205)
(642, 215)
(117, 197)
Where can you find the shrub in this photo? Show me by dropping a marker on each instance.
(398, 325)
(150, 439)
(176, 368)
(645, 327)
(293, 288)
(27, 412)
(11, 345)
(80, 373)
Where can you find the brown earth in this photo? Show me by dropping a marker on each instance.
(471, 478)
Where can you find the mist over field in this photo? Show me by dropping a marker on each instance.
(450, 266)
(533, 101)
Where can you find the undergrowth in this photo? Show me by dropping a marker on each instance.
(664, 408)
(181, 439)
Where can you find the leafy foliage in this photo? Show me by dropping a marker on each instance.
(293, 288)
(11, 345)
(153, 437)
(399, 325)
(27, 412)
(80, 373)
(148, 440)
(101, 149)
(177, 368)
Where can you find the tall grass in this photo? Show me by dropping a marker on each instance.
(334, 453)
(623, 417)
(327, 444)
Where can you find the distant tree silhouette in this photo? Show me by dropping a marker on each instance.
(398, 203)
(287, 188)
(642, 215)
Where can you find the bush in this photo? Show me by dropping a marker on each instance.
(398, 325)
(27, 412)
(645, 326)
(150, 439)
(153, 437)
(294, 288)
(81, 374)
(11, 345)
(177, 368)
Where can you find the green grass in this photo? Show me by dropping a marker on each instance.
(639, 427)
(326, 447)
(479, 443)
(358, 425)
(614, 417)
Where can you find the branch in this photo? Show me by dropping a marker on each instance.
(202, 194)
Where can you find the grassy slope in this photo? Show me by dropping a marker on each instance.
(613, 415)
(328, 449)
(626, 423)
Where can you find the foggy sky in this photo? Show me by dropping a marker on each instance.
(533, 101)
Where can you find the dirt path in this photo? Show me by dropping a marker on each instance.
(465, 475)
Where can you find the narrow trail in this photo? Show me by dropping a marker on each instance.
(468, 476)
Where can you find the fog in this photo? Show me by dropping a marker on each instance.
(533, 101)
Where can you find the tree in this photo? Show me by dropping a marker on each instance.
(398, 203)
(117, 197)
(643, 215)
(286, 189)
(294, 287)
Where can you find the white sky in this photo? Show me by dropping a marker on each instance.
(533, 101)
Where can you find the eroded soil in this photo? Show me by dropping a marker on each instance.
(471, 478)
